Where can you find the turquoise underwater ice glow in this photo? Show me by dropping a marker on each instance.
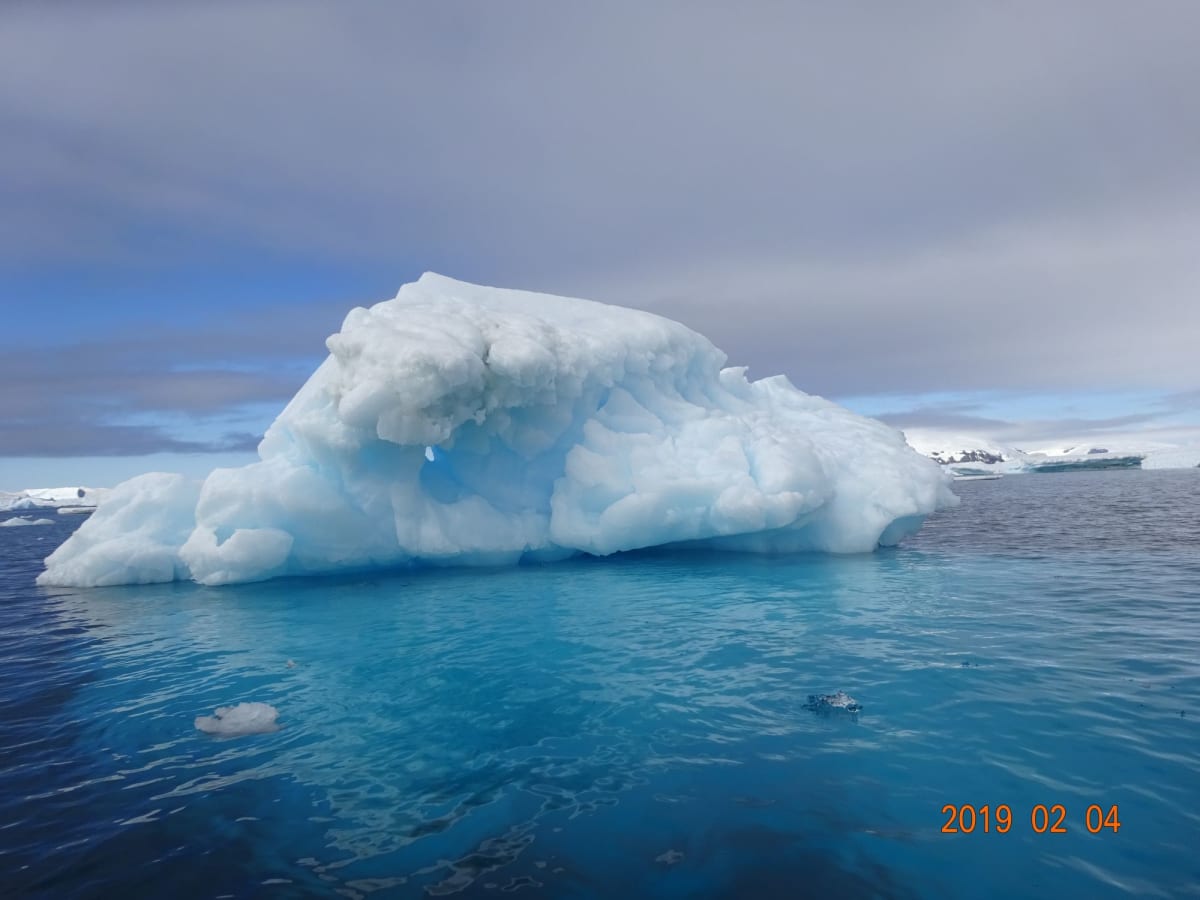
(630, 726)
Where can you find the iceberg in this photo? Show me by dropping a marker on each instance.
(23, 520)
(1085, 463)
(1173, 458)
(20, 503)
(467, 425)
(74, 498)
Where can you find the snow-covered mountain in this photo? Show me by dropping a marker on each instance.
(960, 451)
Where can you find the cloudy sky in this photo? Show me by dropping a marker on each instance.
(977, 217)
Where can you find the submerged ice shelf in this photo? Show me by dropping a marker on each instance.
(458, 424)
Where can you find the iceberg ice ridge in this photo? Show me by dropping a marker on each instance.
(458, 424)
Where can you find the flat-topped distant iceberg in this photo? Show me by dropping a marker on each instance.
(24, 520)
(459, 424)
(73, 497)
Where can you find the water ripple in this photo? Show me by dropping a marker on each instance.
(633, 725)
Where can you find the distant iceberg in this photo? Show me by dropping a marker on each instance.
(23, 520)
(1088, 463)
(74, 497)
(459, 424)
(1173, 458)
(19, 503)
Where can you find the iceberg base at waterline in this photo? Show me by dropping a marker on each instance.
(465, 425)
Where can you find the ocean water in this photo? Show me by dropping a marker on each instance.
(632, 726)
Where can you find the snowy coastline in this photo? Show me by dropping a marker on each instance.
(975, 452)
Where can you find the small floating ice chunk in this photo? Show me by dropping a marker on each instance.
(245, 718)
(21, 520)
(827, 703)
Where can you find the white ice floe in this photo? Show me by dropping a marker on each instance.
(244, 718)
(459, 424)
(22, 520)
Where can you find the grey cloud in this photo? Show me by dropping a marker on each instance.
(1046, 430)
(948, 419)
(87, 399)
(139, 378)
(1182, 402)
(895, 198)
(935, 418)
(554, 138)
(143, 389)
(66, 439)
(1096, 303)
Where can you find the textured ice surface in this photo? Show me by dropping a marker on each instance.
(146, 520)
(245, 718)
(459, 424)
(22, 520)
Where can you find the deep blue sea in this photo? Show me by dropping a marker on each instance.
(632, 726)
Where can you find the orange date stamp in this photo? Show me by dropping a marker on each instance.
(1043, 819)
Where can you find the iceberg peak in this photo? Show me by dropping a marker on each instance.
(460, 424)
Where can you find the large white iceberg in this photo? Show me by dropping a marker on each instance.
(459, 424)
